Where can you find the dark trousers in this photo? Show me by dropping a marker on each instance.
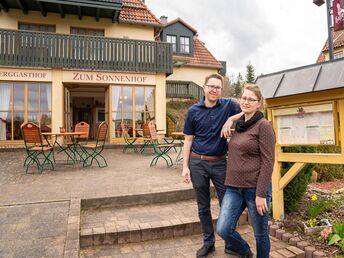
(202, 171)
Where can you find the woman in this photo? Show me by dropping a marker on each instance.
(248, 179)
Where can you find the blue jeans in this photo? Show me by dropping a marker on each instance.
(233, 204)
(202, 171)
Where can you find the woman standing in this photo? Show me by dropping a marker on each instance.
(248, 179)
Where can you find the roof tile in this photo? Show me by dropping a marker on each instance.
(135, 11)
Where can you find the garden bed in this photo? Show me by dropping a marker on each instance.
(293, 221)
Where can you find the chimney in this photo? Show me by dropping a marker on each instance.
(163, 19)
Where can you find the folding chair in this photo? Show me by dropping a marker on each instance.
(34, 147)
(160, 150)
(81, 127)
(128, 140)
(94, 150)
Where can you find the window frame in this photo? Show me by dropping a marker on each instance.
(174, 44)
(183, 45)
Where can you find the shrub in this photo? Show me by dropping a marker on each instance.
(329, 172)
(295, 190)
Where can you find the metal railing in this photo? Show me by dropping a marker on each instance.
(40, 49)
(183, 89)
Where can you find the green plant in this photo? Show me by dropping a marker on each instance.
(337, 237)
(329, 172)
(317, 206)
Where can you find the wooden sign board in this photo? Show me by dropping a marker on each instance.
(306, 125)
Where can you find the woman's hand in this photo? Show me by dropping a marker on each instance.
(261, 205)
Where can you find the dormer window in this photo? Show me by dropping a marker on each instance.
(173, 40)
(184, 44)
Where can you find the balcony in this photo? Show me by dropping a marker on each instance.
(184, 90)
(51, 50)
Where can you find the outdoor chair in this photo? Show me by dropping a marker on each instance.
(37, 152)
(93, 151)
(160, 149)
(81, 127)
(130, 141)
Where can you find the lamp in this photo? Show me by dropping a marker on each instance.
(329, 24)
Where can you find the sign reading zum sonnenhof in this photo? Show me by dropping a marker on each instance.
(108, 78)
(8, 74)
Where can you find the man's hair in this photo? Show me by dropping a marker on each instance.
(214, 75)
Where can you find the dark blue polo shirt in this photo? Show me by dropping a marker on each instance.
(205, 124)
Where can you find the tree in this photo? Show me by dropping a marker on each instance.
(250, 76)
(238, 85)
(228, 89)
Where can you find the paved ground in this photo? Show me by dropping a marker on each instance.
(126, 174)
(40, 213)
(168, 248)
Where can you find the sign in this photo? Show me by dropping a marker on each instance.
(311, 125)
(8, 74)
(338, 14)
(108, 78)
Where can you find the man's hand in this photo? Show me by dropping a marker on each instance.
(261, 205)
(186, 175)
(226, 129)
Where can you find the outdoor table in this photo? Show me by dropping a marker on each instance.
(70, 155)
(180, 153)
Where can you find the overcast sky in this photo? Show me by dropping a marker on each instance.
(273, 35)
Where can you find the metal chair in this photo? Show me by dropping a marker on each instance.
(128, 140)
(160, 150)
(34, 147)
(93, 150)
(81, 127)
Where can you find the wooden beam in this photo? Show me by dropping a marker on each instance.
(115, 16)
(324, 158)
(79, 12)
(61, 10)
(22, 6)
(3, 5)
(292, 172)
(42, 8)
(97, 14)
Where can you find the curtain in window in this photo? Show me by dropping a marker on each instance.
(5, 97)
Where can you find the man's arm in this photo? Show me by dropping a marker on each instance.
(186, 156)
(226, 128)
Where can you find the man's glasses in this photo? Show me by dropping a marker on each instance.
(249, 100)
(213, 87)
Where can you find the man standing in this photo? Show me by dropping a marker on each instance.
(205, 149)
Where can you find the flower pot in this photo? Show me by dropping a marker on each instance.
(324, 223)
(62, 130)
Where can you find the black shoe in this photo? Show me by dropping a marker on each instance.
(205, 250)
(231, 252)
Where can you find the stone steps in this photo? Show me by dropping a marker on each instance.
(143, 222)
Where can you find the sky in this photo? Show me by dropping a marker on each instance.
(273, 35)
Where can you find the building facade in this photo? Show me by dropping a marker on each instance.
(338, 47)
(192, 61)
(62, 62)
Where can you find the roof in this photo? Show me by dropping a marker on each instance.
(312, 78)
(135, 11)
(201, 57)
(338, 41)
(182, 22)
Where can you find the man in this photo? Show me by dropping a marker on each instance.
(205, 149)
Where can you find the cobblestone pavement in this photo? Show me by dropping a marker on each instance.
(33, 230)
(126, 174)
(176, 247)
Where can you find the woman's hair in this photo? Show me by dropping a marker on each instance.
(256, 90)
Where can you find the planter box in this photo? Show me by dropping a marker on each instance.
(316, 229)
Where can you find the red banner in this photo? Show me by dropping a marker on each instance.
(338, 14)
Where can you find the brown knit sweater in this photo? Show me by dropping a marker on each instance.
(251, 156)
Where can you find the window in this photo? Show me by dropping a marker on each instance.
(173, 40)
(132, 106)
(36, 27)
(90, 48)
(23, 101)
(184, 44)
(338, 55)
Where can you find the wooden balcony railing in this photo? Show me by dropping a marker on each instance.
(39, 49)
(183, 89)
